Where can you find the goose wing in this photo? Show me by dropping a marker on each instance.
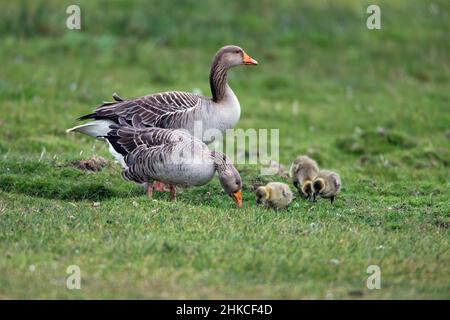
(146, 111)
(126, 139)
(147, 151)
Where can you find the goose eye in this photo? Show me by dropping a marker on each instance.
(237, 51)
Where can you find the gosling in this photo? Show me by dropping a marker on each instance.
(276, 195)
(327, 185)
(306, 190)
(303, 171)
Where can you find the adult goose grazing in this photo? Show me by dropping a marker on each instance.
(171, 156)
(178, 110)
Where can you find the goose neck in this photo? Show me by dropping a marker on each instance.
(221, 161)
(218, 80)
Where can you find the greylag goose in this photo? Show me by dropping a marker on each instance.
(276, 195)
(170, 156)
(177, 110)
(327, 185)
(303, 171)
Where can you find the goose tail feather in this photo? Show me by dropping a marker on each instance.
(96, 128)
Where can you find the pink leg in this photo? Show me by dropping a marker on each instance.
(149, 190)
(161, 187)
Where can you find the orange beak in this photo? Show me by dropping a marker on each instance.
(237, 197)
(249, 60)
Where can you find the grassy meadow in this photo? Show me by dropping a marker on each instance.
(370, 104)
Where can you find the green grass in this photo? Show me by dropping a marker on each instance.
(373, 105)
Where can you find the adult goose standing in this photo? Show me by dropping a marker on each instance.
(178, 110)
(170, 156)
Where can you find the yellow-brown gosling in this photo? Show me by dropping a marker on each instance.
(303, 171)
(307, 189)
(327, 185)
(276, 195)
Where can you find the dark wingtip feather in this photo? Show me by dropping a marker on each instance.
(87, 116)
(114, 138)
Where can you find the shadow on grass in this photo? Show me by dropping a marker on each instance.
(63, 182)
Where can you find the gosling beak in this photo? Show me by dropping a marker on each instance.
(237, 197)
(249, 60)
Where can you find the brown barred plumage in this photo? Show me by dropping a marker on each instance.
(180, 110)
(170, 156)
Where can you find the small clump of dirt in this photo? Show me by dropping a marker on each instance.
(95, 164)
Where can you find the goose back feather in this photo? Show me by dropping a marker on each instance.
(170, 156)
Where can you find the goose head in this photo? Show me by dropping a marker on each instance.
(229, 177)
(307, 189)
(262, 194)
(226, 58)
(231, 182)
(318, 187)
(231, 56)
